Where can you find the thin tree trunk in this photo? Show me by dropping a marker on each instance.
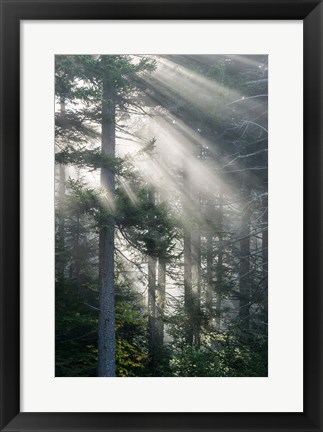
(219, 266)
(209, 272)
(152, 336)
(196, 283)
(61, 210)
(209, 259)
(196, 260)
(265, 256)
(152, 308)
(188, 295)
(244, 277)
(77, 250)
(188, 292)
(107, 343)
(196, 274)
(161, 302)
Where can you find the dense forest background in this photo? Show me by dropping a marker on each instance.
(161, 200)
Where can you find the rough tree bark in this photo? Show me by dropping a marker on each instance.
(107, 343)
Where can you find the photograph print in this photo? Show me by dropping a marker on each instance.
(161, 215)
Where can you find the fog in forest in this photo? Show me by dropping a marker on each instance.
(161, 215)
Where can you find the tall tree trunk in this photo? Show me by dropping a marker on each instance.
(195, 197)
(107, 343)
(152, 336)
(209, 273)
(161, 303)
(219, 266)
(77, 250)
(265, 256)
(244, 276)
(209, 258)
(152, 308)
(188, 295)
(196, 273)
(188, 292)
(61, 211)
(196, 284)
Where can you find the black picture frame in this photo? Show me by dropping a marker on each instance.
(12, 12)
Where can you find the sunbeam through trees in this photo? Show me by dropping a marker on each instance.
(161, 210)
